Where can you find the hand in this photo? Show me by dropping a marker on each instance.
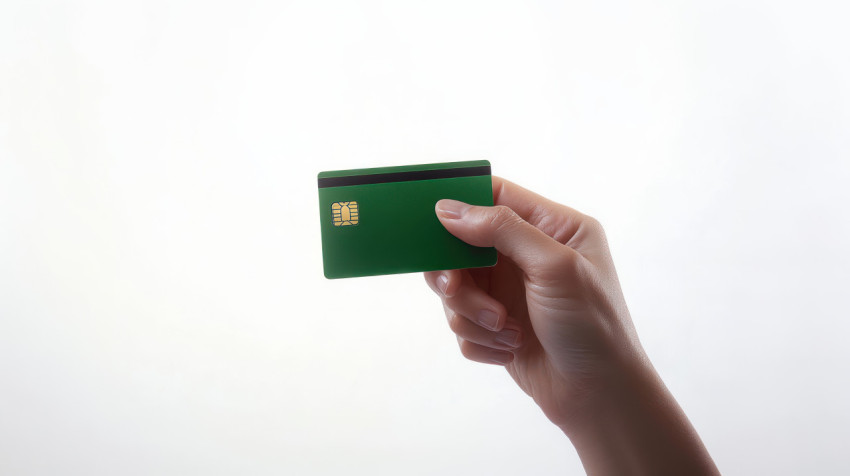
(553, 313)
(551, 310)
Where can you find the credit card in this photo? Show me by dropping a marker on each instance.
(382, 221)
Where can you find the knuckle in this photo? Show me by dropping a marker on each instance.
(564, 265)
(466, 349)
(455, 322)
(593, 226)
(503, 217)
(469, 350)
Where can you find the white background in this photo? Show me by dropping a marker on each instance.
(162, 304)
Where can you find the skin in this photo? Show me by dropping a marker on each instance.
(552, 312)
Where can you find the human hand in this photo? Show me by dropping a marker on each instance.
(552, 312)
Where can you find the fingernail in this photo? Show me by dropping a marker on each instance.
(452, 209)
(488, 319)
(443, 283)
(508, 337)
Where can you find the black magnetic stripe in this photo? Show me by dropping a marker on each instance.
(403, 176)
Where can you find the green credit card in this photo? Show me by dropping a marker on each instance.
(382, 220)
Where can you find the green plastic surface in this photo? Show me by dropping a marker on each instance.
(397, 229)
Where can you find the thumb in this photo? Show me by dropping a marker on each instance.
(530, 248)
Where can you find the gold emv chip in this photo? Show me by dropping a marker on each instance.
(345, 213)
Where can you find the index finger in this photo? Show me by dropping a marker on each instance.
(558, 221)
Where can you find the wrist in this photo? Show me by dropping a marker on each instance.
(613, 393)
(633, 425)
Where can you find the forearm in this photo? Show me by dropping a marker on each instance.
(635, 426)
